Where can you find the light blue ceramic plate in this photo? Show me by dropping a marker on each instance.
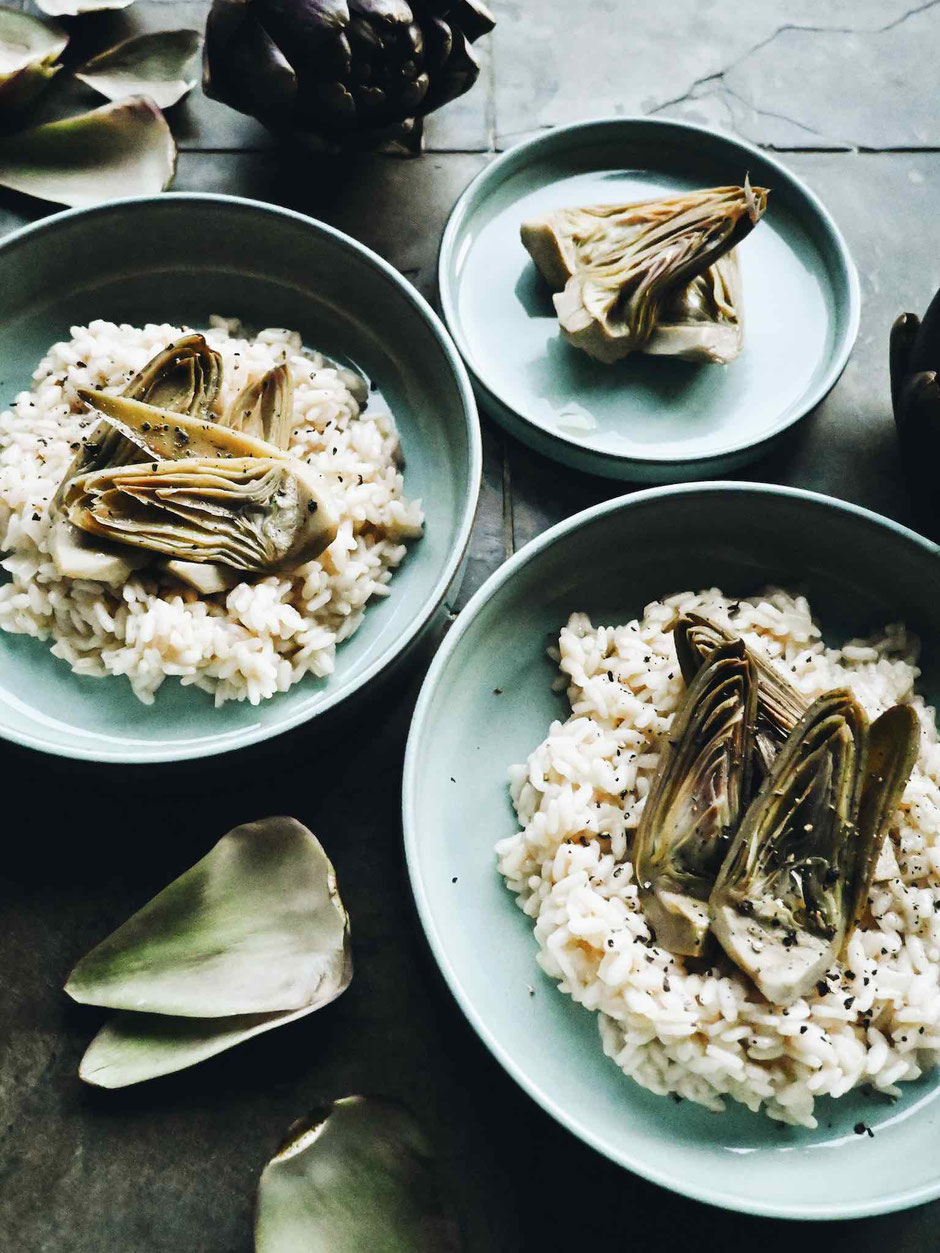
(180, 258)
(860, 571)
(655, 419)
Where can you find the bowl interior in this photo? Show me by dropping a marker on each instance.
(181, 259)
(798, 298)
(859, 573)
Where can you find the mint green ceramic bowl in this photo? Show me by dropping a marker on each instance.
(180, 258)
(645, 419)
(859, 571)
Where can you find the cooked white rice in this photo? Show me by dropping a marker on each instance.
(265, 634)
(707, 1036)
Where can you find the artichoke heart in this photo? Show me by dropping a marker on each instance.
(779, 705)
(257, 514)
(696, 799)
(657, 276)
(798, 873)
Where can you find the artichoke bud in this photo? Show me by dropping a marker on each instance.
(786, 899)
(696, 799)
(364, 72)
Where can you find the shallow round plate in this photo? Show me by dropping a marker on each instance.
(180, 258)
(860, 571)
(652, 419)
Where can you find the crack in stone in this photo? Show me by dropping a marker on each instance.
(715, 84)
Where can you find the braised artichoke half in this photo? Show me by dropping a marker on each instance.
(779, 705)
(796, 879)
(657, 276)
(227, 498)
(696, 799)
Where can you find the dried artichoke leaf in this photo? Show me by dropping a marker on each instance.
(696, 798)
(617, 269)
(121, 149)
(158, 64)
(256, 927)
(358, 1175)
(784, 900)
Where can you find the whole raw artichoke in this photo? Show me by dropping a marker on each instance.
(343, 73)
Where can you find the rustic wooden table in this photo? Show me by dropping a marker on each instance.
(845, 92)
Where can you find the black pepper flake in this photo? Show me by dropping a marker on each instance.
(454, 879)
(863, 1129)
(497, 691)
(849, 1002)
(311, 506)
(803, 1029)
(822, 987)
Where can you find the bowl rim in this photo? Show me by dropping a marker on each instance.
(677, 1182)
(600, 460)
(160, 753)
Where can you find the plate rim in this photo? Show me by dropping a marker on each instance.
(161, 754)
(683, 1185)
(566, 448)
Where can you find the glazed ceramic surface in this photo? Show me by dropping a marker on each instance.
(488, 701)
(181, 258)
(653, 419)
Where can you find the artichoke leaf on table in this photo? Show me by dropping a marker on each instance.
(656, 276)
(252, 936)
(356, 1175)
(696, 799)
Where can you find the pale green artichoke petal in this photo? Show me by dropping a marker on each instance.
(122, 149)
(358, 1175)
(159, 65)
(131, 1048)
(29, 51)
(257, 926)
(74, 8)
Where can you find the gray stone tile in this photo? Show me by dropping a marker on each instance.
(737, 65)
(847, 446)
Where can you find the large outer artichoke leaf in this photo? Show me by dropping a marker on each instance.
(157, 64)
(122, 149)
(779, 705)
(74, 8)
(616, 269)
(696, 798)
(257, 926)
(784, 901)
(356, 1176)
(131, 1048)
(29, 51)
